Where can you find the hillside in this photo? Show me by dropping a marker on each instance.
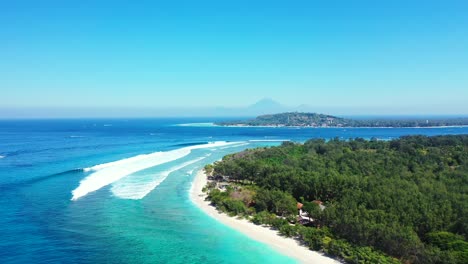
(292, 119)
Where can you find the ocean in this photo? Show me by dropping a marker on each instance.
(117, 190)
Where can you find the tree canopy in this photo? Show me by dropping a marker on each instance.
(405, 197)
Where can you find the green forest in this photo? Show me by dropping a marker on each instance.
(398, 201)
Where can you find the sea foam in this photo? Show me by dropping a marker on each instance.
(136, 187)
(107, 173)
(237, 145)
(196, 125)
(269, 140)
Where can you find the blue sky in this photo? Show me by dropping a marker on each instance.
(387, 57)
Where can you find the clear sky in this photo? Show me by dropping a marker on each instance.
(394, 57)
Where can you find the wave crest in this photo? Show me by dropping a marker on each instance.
(136, 187)
(107, 173)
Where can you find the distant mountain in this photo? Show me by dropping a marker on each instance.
(266, 103)
(261, 107)
(298, 119)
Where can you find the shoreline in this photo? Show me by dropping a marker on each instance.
(347, 127)
(212, 124)
(286, 246)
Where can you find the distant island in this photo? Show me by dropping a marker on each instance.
(298, 119)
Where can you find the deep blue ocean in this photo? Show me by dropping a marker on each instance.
(117, 190)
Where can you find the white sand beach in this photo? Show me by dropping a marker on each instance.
(286, 246)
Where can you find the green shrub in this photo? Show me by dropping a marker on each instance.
(263, 218)
(279, 222)
(288, 230)
(235, 206)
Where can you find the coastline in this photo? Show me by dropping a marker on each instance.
(346, 127)
(212, 124)
(287, 246)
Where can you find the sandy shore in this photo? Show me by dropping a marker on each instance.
(286, 246)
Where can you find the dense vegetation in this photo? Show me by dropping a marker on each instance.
(405, 198)
(320, 120)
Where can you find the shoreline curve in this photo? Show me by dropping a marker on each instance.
(286, 246)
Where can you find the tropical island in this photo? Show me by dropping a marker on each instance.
(298, 119)
(361, 201)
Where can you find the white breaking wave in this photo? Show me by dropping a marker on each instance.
(234, 146)
(1, 157)
(196, 125)
(118, 162)
(269, 140)
(107, 173)
(136, 187)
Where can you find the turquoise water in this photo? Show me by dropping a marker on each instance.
(142, 216)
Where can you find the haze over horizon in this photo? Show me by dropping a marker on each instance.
(212, 58)
(261, 107)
